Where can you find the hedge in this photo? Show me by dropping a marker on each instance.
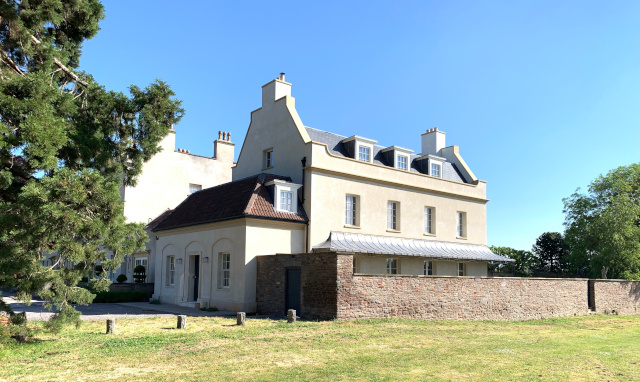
(120, 296)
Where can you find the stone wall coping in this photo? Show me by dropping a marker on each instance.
(475, 277)
(615, 280)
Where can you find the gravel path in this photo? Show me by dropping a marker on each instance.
(36, 311)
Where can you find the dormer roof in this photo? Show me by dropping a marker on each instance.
(335, 143)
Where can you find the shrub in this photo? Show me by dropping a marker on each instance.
(121, 278)
(155, 302)
(120, 296)
(210, 309)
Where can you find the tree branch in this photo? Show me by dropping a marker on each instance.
(10, 62)
(69, 72)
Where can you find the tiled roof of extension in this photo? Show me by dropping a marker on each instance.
(153, 223)
(336, 147)
(372, 244)
(248, 197)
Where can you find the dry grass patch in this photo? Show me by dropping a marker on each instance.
(212, 348)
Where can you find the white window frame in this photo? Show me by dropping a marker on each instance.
(364, 153)
(286, 201)
(428, 268)
(268, 158)
(224, 275)
(403, 162)
(193, 188)
(393, 216)
(393, 266)
(171, 270)
(461, 224)
(352, 205)
(436, 170)
(281, 186)
(462, 269)
(429, 220)
(360, 142)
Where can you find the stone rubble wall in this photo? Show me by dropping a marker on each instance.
(619, 295)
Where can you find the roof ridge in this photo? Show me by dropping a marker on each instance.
(254, 193)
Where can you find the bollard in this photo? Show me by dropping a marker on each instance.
(182, 321)
(291, 316)
(111, 325)
(242, 316)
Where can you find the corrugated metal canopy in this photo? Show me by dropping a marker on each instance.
(359, 243)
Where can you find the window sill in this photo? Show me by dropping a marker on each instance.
(224, 289)
(352, 226)
(461, 237)
(267, 168)
(429, 234)
(394, 231)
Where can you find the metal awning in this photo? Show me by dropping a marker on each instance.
(359, 243)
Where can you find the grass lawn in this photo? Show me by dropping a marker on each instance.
(591, 348)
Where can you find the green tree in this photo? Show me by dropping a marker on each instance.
(553, 253)
(525, 262)
(67, 146)
(603, 225)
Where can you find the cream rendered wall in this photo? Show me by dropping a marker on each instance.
(377, 264)
(211, 239)
(164, 182)
(328, 192)
(266, 237)
(242, 239)
(275, 125)
(477, 269)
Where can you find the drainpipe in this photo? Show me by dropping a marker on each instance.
(304, 164)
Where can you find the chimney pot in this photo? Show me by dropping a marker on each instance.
(219, 134)
(228, 136)
(188, 152)
(281, 76)
(224, 135)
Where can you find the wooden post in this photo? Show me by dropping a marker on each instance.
(182, 321)
(111, 325)
(242, 316)
(291, 316)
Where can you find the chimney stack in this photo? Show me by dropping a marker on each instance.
(275, 90)
(433, 141)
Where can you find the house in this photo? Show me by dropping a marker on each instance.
(166, 180)
(296, 190)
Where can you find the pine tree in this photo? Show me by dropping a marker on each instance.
(67, 147)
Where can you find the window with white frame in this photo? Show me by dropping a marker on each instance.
(461, 269)
(392, 266)
(286, 201)
(364, 153)
(428, 268)
(194, 188)
(268, 158)
(428, 220)
(435, 170)
(392, 215)
(461, 224)
(224, 278)
(171, 270)
(351, 210)
(285, 195)
(402, 162)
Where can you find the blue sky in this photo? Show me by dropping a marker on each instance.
(541, 96)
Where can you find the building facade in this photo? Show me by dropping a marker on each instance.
(398, 212)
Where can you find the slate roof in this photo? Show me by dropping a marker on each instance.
(248, 197)
(336, 147)
(360, 243)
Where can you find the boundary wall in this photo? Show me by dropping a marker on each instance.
(329, 289)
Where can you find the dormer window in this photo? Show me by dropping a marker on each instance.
(359, 148)
(285, 195)
(364, 154)
(398, 157)
(402, 162)
(435, 169)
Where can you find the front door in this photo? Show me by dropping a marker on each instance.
(292, 290)
(196, 276)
